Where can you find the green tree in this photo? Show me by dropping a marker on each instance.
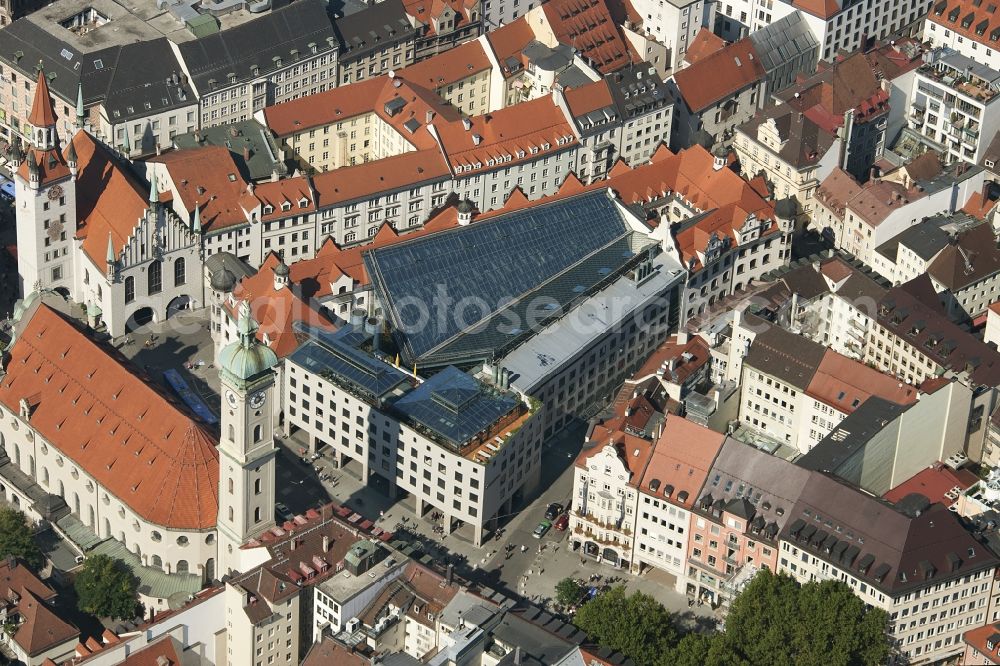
(776, 621)
(637, 625)
(16, 538)
(105, 587)
(568, 591)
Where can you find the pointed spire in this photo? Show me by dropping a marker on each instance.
(81, 117)
(196, 226)
(42, 114)
(111, 250)
(154, 194)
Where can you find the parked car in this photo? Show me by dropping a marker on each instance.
(542, 529)
(562, 522)
(553, 511)
(283, 511)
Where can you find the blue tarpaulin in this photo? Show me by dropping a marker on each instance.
(7, 187)
(190, 396)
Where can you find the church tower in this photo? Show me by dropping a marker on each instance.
(45, 187)
(246, 447)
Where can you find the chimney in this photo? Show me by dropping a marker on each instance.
(450, 574)
(987, 187)
(429, 116)
(467, 124)
(162, 660)
(517, 656)
(326, 543)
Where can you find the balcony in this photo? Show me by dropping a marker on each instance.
(963, 75)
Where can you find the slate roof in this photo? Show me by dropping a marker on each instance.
(925, 240)
(142, 82)
(374, 28)
(257, 42)
(791, 358)
(973, 257)
(804, 142)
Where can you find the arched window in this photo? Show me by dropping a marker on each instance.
(179, 272)
(155, 277)
(230, 484)
(258, 432)
(45, 477)
(256, 515)
(182, 566)
(129, 289)
(230, 514)
(232, 433)
(156, 562)
(256, 487)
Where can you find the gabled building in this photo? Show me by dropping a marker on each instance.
(33, 630)
(373, 41)
(965, 26)
(716, 94)
(966, 273)
(443, 24)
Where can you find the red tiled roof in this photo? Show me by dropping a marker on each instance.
(978, 638)
(508, 41)
(448, 67)
(984, 24)
(587, 25)
(506, 132)
(328, 652)
(845, 384)
(590, 97)
(361, 181)
(979, 207)
(109, 199)
(327, 107)
(111, 423)
(697, 349)
(150, 655)
(42, 114)
(719, 75)
(50, 163)
(935, 483)
(275, 310)
(209, 179)
(15, 576)
(424, 11)
(822, 8)
(41, 629)
(704, 44)
(681, 459)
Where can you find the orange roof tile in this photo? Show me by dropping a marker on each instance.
(975, 30)
(513, 131)
(15, 576)
(845, 384)
(286, 197)
(979, 207)
(822, 8)
(276, 310)
(135, 442)
(151, 654)
(360, 181)
(508, 41)
(425, 11)
(42, 114)
(704, 44)
(698, 355)
(207, 178)
(50, 164)
(324, 108)
(935, 483)
(591, 97)
(978, 638)
(40, 629)
(681, 459)
(109, 199)
(719, 75)
(587, 25)
(448, 67)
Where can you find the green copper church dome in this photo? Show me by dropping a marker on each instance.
(247, 357)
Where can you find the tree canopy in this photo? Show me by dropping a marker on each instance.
(16, 538)
(105, 587)
(776, 621)
(636, 625)
(568, 591)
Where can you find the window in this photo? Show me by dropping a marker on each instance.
(155, 278)
(179, 272)
(129, 289)
(258, 432)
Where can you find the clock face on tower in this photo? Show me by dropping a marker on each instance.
(55, 192)
(257, 400)
(232, 399)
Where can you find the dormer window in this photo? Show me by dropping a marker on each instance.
(268, 209)
(303, 202)
(286, 205)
